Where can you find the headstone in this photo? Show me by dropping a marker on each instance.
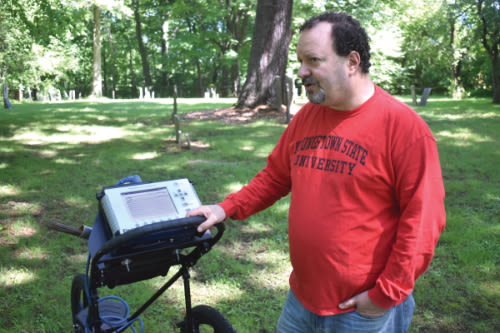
(6, 103)
(298, 85)
(188, 141)
(213, 93)
(425, 96)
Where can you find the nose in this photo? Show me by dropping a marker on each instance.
(303, 71)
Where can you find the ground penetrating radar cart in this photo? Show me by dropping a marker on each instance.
(140, 231)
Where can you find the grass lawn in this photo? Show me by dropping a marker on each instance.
(54, 158)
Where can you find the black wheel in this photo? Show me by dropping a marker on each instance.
(207, 320)
(79, 300)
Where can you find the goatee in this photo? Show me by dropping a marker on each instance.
(318, 97)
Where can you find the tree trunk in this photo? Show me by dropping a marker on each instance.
(133, 83)
(269, 53)
(492, 45)
(236, 78)
(200, 78)
(237, 24)
(104, 68)
(457, 89)
(142, 49)
(6, 102)
(164, 54)
(496, 78)
(96, 67)
(112, 50)
(224, 87)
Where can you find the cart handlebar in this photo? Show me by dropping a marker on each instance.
(137, 233)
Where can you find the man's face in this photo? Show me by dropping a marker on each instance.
(322, 71)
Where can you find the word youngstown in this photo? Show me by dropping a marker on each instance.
(346, 147)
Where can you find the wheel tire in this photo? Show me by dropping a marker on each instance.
(208, 320)
(79, 300)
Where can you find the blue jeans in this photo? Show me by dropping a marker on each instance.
(295, 318)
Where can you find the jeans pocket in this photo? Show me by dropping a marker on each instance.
(374, 318)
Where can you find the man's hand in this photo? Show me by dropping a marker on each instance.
(213, 214)
(364, 305)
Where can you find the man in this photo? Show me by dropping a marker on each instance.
(367, 195)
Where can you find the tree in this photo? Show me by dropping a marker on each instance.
(116, 9)
(489, 28)
(426, 45)
(456, 52)
(52, 44)
(269, 53)
(142, 49)
(96, 64)
(236, 17)
(29, 32)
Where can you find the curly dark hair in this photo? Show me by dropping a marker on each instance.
(347, 34)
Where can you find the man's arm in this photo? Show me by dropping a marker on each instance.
(269, 185)
(420, 193)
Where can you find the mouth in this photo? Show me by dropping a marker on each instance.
(309, 83)
(315, 92)
(309, 86)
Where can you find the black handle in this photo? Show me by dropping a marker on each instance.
(139, 232)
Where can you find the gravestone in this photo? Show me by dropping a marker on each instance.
(6, 103)
(425, 96)
(283, 96)
(298, 86)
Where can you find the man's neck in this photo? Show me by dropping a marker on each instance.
(365, 90)
(360, 90)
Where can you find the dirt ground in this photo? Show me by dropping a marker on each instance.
(237, 116)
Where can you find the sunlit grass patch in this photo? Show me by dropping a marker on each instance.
(14, 277)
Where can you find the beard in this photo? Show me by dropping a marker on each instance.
(317, 97)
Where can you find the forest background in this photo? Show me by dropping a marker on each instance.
(116, 48)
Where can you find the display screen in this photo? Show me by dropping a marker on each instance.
(149, 204)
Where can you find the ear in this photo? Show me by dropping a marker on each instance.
(353, 61)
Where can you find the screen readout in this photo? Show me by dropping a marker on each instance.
(149, 205)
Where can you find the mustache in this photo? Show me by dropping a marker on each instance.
(309, 80)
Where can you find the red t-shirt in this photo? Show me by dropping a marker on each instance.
(367, 201)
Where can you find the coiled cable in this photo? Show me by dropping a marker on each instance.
(111, 320)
